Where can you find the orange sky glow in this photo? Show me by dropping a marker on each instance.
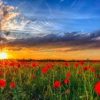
(26, 53)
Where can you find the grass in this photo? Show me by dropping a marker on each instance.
(35, 80)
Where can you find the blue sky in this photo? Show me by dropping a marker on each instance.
(67, 15)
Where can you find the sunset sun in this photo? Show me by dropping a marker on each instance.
(3, 55)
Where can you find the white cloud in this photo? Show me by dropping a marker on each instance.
(97, 38)
(20, 27)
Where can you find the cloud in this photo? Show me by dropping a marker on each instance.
(7, 13)
(42, 31)
(17, 26)
(2, 39)
(70, 41)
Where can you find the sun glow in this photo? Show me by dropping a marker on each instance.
(3, 55)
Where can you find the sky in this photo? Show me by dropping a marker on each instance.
(50, 29)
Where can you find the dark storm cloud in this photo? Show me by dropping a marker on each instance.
(74, 40)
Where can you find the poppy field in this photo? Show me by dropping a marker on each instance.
(49, 80)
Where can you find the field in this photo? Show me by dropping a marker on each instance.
(49, 80)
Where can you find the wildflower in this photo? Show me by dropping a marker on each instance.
(2, 83)
(12, 85)
(57, 84)
(81, 62)
(11, 64)
(66, 64)
(44, 70)
(1, 73)
(76, 65)
(68, 75)
(49, 66)
(97, 88)
(92, 69)
(66, 81)
(34, 64)
(86, 68)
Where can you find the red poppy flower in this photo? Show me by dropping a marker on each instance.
(66, 81)
(86, 68)
(2, 83)
(1, 73)
(68, 75)
(12, 85)
(34, 64)
(49, 65)
(97, 88)
(11, 64)
(76, 65)
(92, 69)
(67, 64)
(57, 84)
(81, 62)
(44, 70)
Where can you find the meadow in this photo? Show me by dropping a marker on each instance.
(49, 80)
